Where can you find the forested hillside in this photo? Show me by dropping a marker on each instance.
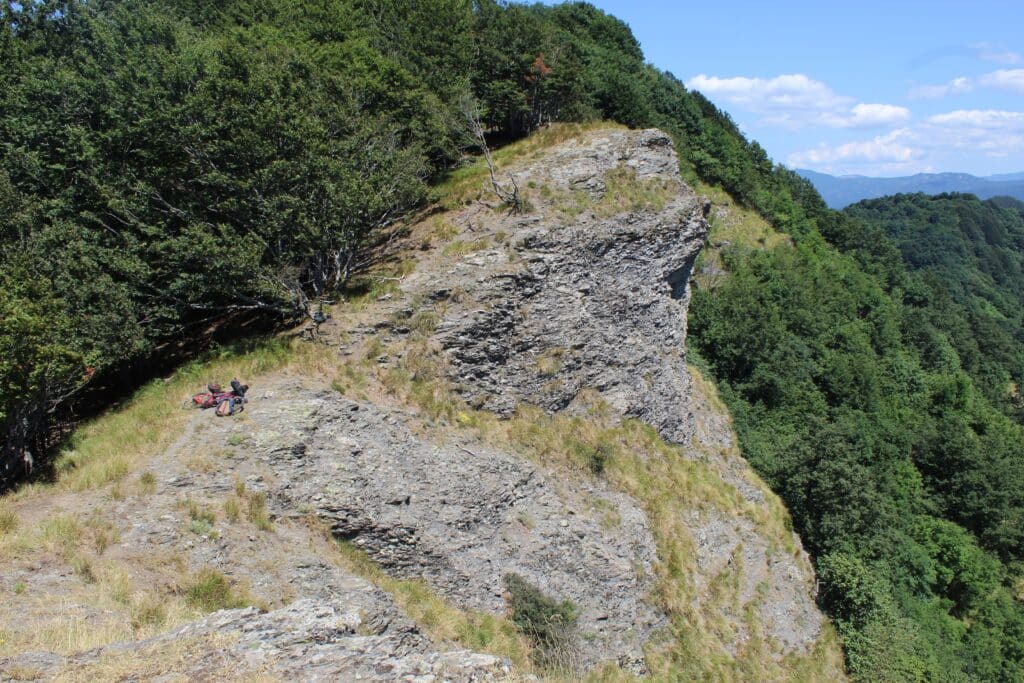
(970, 254)
(167, 165)
(865, 392)
(842, 191)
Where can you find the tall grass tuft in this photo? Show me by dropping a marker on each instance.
(256, 511)
(209, 591)
(8, 521)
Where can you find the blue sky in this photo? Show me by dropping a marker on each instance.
(877, 88)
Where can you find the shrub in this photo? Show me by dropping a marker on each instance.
(210, 591)
(549, 624)
(598, 458)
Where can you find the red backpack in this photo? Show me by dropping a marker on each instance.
(204, 400)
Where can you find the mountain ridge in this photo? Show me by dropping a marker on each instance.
(621, 492)
(841, 191)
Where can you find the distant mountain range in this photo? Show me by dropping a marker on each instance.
(841, 191)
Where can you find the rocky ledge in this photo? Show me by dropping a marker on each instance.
(592, 297)
(462, 518)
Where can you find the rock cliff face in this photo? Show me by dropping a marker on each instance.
(593, 298)
(588, 301)
(581, 299)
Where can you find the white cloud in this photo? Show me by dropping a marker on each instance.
(883, 148)
(788, 91)
(915, 148)
(985, 130)
(795, 101)
(956, 86)
(1006, 79)
(988, 119)
(992, 53)
(877, 115)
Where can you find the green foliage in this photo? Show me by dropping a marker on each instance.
(162, 169)
(597, 457)
(209, 591)
(903, 478)
(167, 165)
(968, 259)
(549, 624)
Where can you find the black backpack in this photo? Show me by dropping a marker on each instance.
(239, 388)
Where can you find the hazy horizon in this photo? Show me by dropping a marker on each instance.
(993, 177)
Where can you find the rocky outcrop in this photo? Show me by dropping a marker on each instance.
(596, 300)
(584, 295)
(462, 518)
(309, 640)
(590, 301)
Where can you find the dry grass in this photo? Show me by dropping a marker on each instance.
(100, 605)
(201, 463)
(627, 193)
(732, 226)
(737, 224)
(350, 380)
(232, 509)
(624, 193)
(771, 518)
(471, 183)
(446, 624)
(108, 448)
(60, 535)
(166, 660)
(441, 230)
(108, 607)
(22, 673)
(256, 511)
(147, 484)
(458, 248)
(8, 520)
(550, 361)
(382, 280)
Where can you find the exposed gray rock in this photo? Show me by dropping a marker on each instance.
(547, 308)
(601, 304)
(462, 517)
(309, 640)
(590, 303)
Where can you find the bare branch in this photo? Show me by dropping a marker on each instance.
(509, 196)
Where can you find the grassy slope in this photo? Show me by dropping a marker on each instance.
(104, 454)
